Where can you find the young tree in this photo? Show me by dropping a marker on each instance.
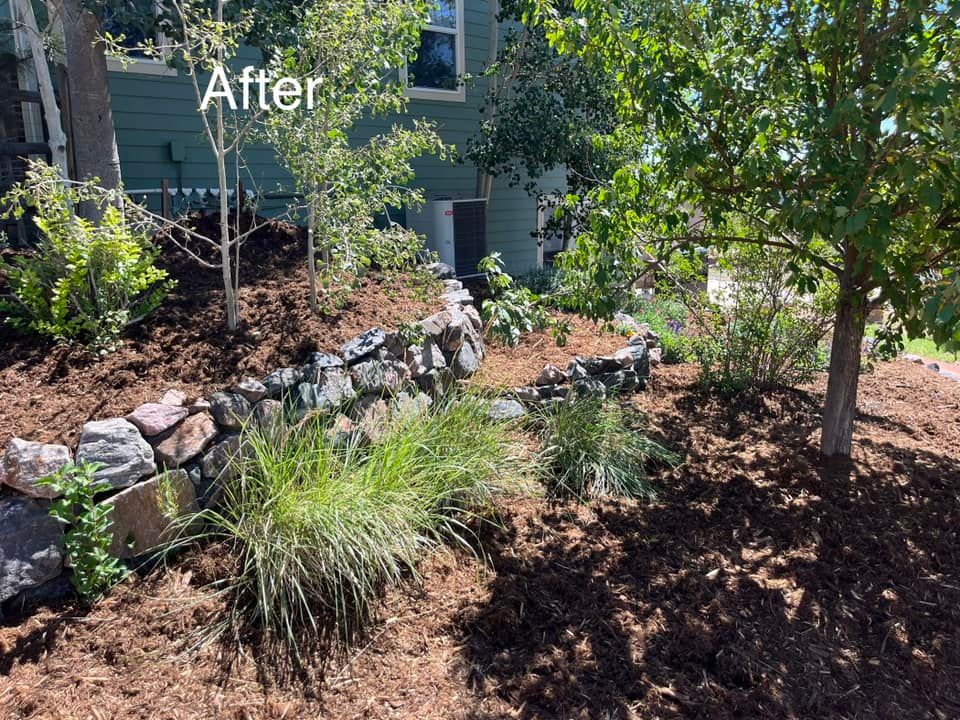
(345, 59)
(206, 41)
(829, 126)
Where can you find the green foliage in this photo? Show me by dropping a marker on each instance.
(85, 282)
(759, 333)
(513, 309)
(667, 317)
(321, 527)
(543, 110)
(87, 541)
(347, 184)
(829, 129)
(593, 448)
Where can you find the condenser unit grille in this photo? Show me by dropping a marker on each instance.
(469, 235)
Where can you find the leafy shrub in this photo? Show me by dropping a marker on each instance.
(321, 527)
(762, 334)
(87, 541)
(542, 281)
(667, 317)
(592, 448)
(513, 309)
(86, 281)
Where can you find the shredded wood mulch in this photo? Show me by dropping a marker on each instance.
(762, 582)
(47, 392)
(506, 367)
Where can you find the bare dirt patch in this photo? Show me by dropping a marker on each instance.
(763, 582)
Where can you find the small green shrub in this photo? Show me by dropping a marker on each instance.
(320, 527)
(592, 448)
(87, 541)
(513, 309)
(762, 334)
(86, 281)
(545, 280)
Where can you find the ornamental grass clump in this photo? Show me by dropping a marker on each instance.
(592, 448)
(319, 527)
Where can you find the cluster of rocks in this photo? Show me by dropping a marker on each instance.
(934, 366)
(627, 370)
(173, 456)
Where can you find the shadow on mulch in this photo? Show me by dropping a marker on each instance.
(763, 582)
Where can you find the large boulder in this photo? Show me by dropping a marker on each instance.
(119, 446)
(220, 462)
(141, 517)
(26, 462)
(282, 382)
(465, 362)
(471, 313)
(337, 390)
(31, 546)
(187, 441)
(174, 397)
(319, 365)
(267, 416)
(376, 377)
(505, 409)
(156, 418)
(435, 326)
(363, 345)
(421, 359)
(251, 389)
(550, 375)
(230, 410)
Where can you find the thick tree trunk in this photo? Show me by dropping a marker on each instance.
(94, 141)
(840, 406)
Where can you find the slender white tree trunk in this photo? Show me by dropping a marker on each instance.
(23, 13)
(312, 250)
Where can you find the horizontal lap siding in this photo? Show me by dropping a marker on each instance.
(151, 111)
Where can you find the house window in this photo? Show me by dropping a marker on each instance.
(133, 36)
(436, 71)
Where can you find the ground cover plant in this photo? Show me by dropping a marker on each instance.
(593, 448)
(320, 525)
(88, 537)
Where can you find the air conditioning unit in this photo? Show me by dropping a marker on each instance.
(456, 230)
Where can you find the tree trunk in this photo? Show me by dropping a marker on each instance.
(57, 139)
(840, 406)
(94, 141)
(312, 251)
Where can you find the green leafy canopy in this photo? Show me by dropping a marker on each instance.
(827, 128)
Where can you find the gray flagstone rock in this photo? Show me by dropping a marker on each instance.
(119, 446)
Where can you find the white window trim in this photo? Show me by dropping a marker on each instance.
(141, 66)
(458, 95)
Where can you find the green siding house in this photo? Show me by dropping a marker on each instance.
(158, 134)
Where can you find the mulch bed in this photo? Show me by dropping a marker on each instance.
(511, 366)
(48, 392)
(763, 582)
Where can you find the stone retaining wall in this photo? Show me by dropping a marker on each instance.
(172, 456)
